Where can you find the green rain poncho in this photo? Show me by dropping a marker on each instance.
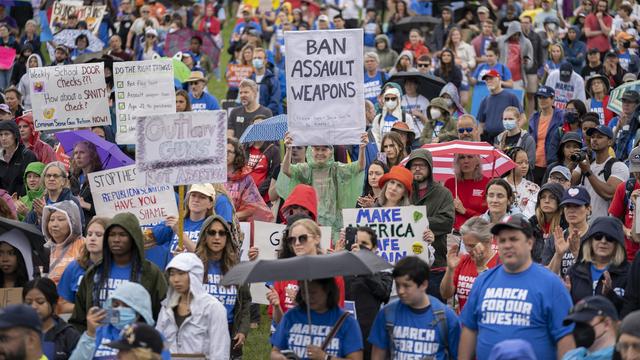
(36, 168)
(337, 185)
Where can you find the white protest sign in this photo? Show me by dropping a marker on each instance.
(325, 86)
(245, 227)
(115, 191)
(182, 148)
(69, 96)
(141, 88)
(267, 237)
(399, 229)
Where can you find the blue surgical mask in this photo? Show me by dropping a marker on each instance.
(122, 316)
(257, 63)
(509, 124)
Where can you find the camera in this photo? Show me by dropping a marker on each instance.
(577, 157)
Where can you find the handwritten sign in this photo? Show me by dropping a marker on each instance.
(69, 96)
(91, 14)
(182, 148)
(399, 229)
(115, 191)
(236, 73)
(142, 88)
(267, 237)
(325, 86)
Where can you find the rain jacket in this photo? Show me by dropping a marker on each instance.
(65, 252)
(11, 172)
(17, 239)
(145, 273)
(33, 218)
(205, 331)
(241, 310)
(305, 197)
(269, 92)
(44, 153)
(551, 142)
(440, 210)
(36, 168)
(387, 56)
(23, 85)
(451, 90)
(407, 53)
(526, 49)
(448, 131)
(341, 185)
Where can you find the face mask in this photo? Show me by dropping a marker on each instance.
(552, 27)
(122, 316)
(391, 104)
(584, 335)
(449, 102)
(257, 63)
(570, 117)
(435, 113)
(509, 124)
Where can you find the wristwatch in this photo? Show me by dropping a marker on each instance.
(587, 174)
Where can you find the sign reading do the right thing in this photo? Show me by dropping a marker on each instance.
(325, 86)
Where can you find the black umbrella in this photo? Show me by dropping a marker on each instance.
(35, 237)
(429, 86)
(418, 21)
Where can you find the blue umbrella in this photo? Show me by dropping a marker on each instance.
(110, 154)
(271, 129)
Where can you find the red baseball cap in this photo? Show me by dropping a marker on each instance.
(492, 73)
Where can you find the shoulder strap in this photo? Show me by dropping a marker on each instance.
(440, 320)
(629, 186)
(390, 319)
(607, 168)
(334, 330)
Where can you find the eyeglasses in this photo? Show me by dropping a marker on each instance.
(423, 65)
(53, 176)
(302, 239)
(601, 237)
(623, 347)
(214, 233)
(557, 179)
(463, 130)
(415, 165)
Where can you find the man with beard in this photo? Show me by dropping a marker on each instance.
(242, 116)
(468, 128)
(20, 333)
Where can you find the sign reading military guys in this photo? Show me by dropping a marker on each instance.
(325, 86)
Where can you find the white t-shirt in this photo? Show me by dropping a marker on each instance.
(600, 206)
(419, 102)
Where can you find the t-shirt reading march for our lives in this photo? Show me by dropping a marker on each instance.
(527, 305)
(226, 295)
(415, 333)
(166, 237)
(294, 334)
(117, 276)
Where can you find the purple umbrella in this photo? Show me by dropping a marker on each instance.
(109, 153)
(179, 41)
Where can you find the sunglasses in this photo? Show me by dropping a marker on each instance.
(302, 239)
(424, 65)
(463, 130)
(390, 99)
(601, 237)
(220, 233)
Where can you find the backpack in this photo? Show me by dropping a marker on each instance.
(630, 184)
(606, 172)
(439, 319)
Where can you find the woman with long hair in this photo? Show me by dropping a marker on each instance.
(556, 58)
(63, 231)
(149, 49)
(465, 58)
(183, 104)
(394, 148)
(398, 34)
(548, 216)
(395, 188)
(526, 191)
(218, 252)
(244, 58)
(448, 70)
(85, 161)
(598, 88)
(467, 188)
(372, 188)
(500, 200)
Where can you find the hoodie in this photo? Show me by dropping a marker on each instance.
(304, 196)
(439, 203)
(408, 53)
(384, 121)
(23, 85)
(66, 251)
(526, 49)
(451, 90)
(18, 240)
(205, 331)
(43, 152)
(143, 272)
(387, 55)
(36, 168)
(445, 126)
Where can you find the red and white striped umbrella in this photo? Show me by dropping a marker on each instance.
(494, 162)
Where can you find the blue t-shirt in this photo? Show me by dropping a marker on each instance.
(158, 255)
(239, 28)
(224, 208)
(206, 102)
(415, 333)
(117, 276)
(596, 107)
(167, 238)
(370, 32)
(505, 73)
(595, 276)
(226, 295)
(624, 59)
(373, 86)
(70, 281)
(293, 333)
(491, 109)
(528, 305)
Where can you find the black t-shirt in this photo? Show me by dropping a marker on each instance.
(239, 119)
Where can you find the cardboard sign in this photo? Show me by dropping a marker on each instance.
(10, 296)
(91, 14)
(325, 86)
(142, 88)
(115, 191)
(236, 73)
(399, 229)
(267, 237)
(69, 96)
(182, 148)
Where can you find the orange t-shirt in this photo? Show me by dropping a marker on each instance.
(72, 252)
(543, 127)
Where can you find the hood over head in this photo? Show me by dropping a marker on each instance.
(72, 212)
(423, 154)
(136, 297)
(407, 53)
(304, 196)
(452, 91)
(38, 58)
(130, 223)
(440, 103)
(514, 28)
(207, 222)
(384, 38)
(37, 168)
(16, 238)
(190, 263)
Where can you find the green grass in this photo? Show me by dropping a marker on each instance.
(257, 345)
(218, 88)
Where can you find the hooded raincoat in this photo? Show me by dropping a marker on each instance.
(408, 53)
(65, 252)
(16, 238)
(143, 272)
(36, 168)
(205, 331)
(387, 56)
(451, 90)
(44, 153)
(337, 185)
(245, 196)
(443, 128)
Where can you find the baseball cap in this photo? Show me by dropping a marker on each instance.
(516, 222)
(151, 31)
(565, 72)
(545, 91)
(562, 170)
(610, 53)
(634, 160)
(5, 108)
(576, 195)
(571, 136)
(631, 324)
(629, 77)
(323, 18)
(20, 315)
(593, 51)
(491, 73)
(631, 95)
(139, 336)
(483, 9)
(602, 129)
(204, 189)
(588, 308)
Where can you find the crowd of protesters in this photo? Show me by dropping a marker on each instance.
(539, 263)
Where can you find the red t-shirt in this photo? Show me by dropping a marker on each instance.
(514, 61)
(465, 275)
(259, 164)
(600, 41)
(288, 289)
(471, 193)
(617, 209)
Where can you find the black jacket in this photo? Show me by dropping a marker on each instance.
(12, 173)
(632, 292)
(82, 190)
(582, 286)
(538, 236)
(64, 336)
